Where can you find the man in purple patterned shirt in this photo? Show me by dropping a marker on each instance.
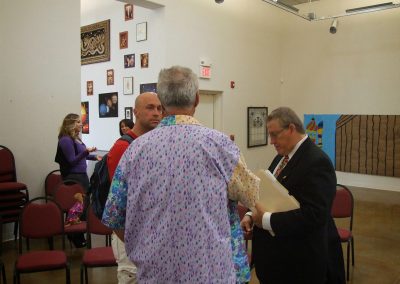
(174, 192)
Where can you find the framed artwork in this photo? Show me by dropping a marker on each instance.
(123, 40)
(144, 60)
(89, 88)
(110, 77)
(257, 126)
(149, 87)
(128, 113)
(95, 43)
(128, 12)
(141, 31)
(128, 85)
(129, 60)
(108, 105)
(85, 117)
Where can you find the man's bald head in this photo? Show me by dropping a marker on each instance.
(147, 111)
(143, 97)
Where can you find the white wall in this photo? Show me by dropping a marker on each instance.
(40, 81)
(355, 71)
(242, 40)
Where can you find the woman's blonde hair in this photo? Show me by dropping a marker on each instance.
(68, 126)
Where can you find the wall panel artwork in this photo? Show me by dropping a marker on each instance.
(365, 144)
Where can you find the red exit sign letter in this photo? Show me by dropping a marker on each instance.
(205, 72)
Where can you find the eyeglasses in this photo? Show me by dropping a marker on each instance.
(275, 135)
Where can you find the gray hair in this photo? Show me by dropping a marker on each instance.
(177, 87)
(286, 116)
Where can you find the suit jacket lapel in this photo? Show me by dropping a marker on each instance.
(285, 173)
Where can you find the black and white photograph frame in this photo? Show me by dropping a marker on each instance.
(129, 113)
(257, 134)
(128, 85)
(141, 31)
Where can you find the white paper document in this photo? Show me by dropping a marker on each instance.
(273, 195)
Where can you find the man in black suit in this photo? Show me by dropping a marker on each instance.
(302, 245)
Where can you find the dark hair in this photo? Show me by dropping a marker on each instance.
(286, 116)
(127, 122)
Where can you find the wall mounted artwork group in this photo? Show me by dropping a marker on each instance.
(365, 144)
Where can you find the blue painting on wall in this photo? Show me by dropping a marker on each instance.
(321, 128)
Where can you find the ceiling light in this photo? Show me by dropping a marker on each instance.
(333, 27)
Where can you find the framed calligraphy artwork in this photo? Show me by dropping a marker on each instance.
(95, 43)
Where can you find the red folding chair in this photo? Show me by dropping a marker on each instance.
(40, 219)
(343, 207)
(50, 183)
(64, 197)
(99, 256)
(13, 194)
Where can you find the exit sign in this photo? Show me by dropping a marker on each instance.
(205, 72)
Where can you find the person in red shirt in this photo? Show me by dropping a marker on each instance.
(148, 114)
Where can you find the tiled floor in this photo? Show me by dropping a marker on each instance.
(377, 246)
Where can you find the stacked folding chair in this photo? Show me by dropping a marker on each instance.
(13, 195)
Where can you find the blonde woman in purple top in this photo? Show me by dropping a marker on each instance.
(71, 155)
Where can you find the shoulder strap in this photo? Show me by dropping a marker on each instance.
(127, 138)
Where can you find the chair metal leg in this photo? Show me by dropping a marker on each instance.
(81, 274)
(352, 251)
(67, 274)
(16, 230)
(348, 260)
(86, 276)
(3, 272)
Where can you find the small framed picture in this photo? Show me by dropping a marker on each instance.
(257, 126)
(128, 85)
(144, 60)
(85, 117)
(110, 77)
(123, 40)
(129, 60)
(149, 87)
(128, 113)
(89, 88)
(128, 12)
(141, 31)
(108, 105)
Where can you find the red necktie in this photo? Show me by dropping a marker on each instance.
(281, 165)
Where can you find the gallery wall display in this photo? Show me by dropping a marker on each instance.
(365, 144)
(85, 117)
(257, 126)
(110, 77)
(108, 105)
(141, 31)
(95, 43)
(129, 60)
(148, 87)
(128, 85)
(128, 12)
